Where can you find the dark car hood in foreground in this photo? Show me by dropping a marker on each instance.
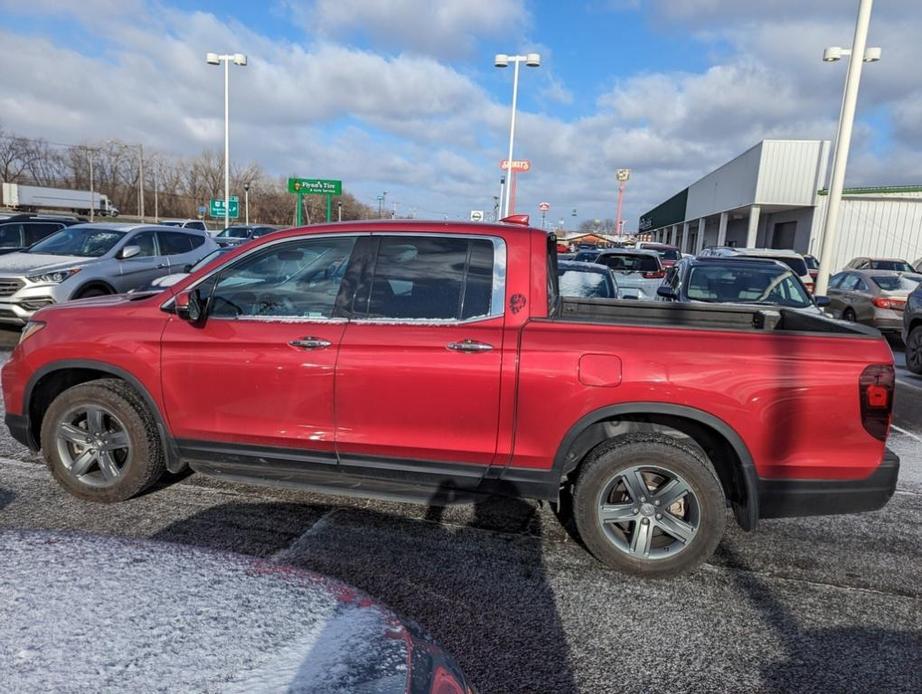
(86, 613)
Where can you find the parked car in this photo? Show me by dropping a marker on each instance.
(185, 224)
(437, 362)
(87, 260)
(162, 283)
(813, 266)
(19, 231)
(668, 255)
(587, 255)
(587, 280)
(873, 297)
(895, 264)
(237, 234)
(737, 280)
(912, 330)
(639, 272)
(792, 259)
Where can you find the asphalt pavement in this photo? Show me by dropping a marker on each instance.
(805, 604)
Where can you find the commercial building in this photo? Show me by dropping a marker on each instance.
(773, 196)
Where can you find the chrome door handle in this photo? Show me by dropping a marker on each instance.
(469, 346)
(311, 343)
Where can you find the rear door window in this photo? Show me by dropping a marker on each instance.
(174, 242)
(430, 278)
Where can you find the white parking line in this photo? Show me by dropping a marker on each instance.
(908, 384)
(906, 433)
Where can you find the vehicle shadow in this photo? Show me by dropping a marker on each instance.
(830, 659)
(468, 575)
(6, 497)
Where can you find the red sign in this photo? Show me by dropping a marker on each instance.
(517, 165)
(544, 206)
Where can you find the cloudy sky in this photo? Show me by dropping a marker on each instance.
(402, 96)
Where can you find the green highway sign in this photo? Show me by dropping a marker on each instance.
(314, 186)
(216, 208)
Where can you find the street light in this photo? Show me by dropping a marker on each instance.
(216, 59)
(246, 201)
(844, 134)
(503, 60)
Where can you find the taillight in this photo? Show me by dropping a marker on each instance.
(658, 275)
(444, 682)
(894, 304)
(875, 391)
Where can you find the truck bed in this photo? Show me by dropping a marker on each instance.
(700, 316)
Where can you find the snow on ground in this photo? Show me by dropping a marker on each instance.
(86, 613)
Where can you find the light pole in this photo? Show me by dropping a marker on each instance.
(844, 135)
(90, 153)
(622, 175)
(246, 201)
(503, 60)
(216, 59)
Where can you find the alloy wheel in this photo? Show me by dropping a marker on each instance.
(93, 444)
(648, 512)
(914, 351)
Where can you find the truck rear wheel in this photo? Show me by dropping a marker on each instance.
(914, 350)
(101, 442)
(649, 505)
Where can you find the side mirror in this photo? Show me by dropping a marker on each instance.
(822, 301)
(189, 306)
(667, 292)
(128, 252)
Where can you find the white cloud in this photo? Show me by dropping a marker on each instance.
(444, 28)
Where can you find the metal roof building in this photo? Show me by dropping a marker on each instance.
(773, 196)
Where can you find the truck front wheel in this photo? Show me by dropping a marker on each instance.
(101, 442)
(649, 505)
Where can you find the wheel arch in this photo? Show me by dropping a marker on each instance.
(53, 379)
(724, 447)
(90, 284)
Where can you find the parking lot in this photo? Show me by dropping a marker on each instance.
(833, 601)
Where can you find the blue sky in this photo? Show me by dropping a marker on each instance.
(401, 95)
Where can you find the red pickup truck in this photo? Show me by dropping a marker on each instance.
(436, 362)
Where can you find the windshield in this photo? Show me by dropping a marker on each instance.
(889, 284)
(749, 285)
(208, 258)
(588, 284)
(86, 242)
(796, 264)
(171, 224)
(812, 262)
(669, 254)
(235, 233)
(897, 265)
(628, 263)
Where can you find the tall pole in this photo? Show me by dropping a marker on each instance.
(502, 198)
(515, 96)
(226, 146)
(843, 143)
(141, 182)
(246, 202)
(156, 199)
(339, 211)
(618, 221)
(92, 190)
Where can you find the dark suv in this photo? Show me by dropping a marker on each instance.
(20, 231)
(912, 331)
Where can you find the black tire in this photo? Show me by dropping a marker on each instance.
(849, 315)
(658, 454)
(914, 350)
(91, 291)
(143, 464)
